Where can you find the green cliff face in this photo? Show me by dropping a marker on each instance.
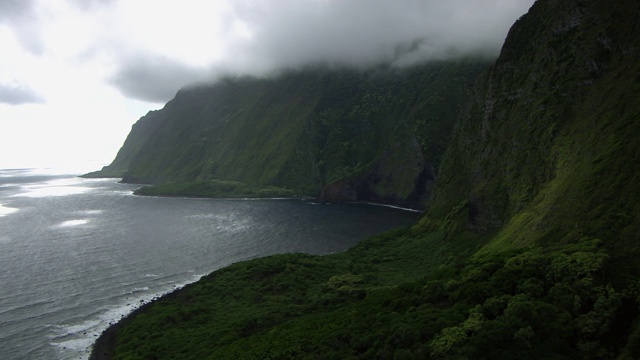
(549, 145)
(374, 135)
(529, 248)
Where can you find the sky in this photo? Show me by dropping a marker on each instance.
(76, 74)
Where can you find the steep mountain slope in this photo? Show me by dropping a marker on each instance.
(549, 148)
(528, 250)
(359, 135)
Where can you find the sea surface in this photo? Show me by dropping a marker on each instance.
(78, 254)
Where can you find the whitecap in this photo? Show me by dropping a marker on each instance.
(76, 338)
(79, 347)
(79, 338)
(74, 329)
(140, 289)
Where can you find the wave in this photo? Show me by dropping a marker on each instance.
(23, 306)
(76, 339)
(66, 330)
(137, 290)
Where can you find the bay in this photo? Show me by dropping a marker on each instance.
(78, 254)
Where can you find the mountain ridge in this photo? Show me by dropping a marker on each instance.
(338, 134)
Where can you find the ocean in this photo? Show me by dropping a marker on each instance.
(78, 254)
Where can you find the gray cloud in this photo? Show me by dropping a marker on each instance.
(87, 5)
(18, 95)
(154, 78)
(364, 32)
(21, 18)
(294, 33)
(12, 9)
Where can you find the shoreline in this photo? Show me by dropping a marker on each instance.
(247, 197)
(103, 348)
(310, 200)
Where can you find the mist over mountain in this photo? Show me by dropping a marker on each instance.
(260, 39)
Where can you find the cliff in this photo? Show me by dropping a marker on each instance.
(341, 134)
(548, 147)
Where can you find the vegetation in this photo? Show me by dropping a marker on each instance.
(375, 301)
(380, 132)
(215, 189)
(529, 247)
(544, 153)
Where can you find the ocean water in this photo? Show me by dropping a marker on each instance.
(78, 254)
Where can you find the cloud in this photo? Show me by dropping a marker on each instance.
(18, 95)
(21, 18)
(87, 5)
(12, 9)
(154, 78)
(101, 64)
(25, 18)
(289, 33)
(258, 37)
(176, 44)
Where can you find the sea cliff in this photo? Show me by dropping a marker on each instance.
(336, 133)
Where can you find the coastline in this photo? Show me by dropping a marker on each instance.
(233, 190)
(104, 346)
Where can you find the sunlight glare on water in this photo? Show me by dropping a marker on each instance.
(4, 211)
(70, 223)
(56, 187)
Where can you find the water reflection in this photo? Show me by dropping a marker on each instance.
(4, 210)
(55, 187)
(71, 223)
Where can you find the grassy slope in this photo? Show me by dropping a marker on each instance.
(544, 166)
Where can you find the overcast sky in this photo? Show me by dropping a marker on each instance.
(76, 74)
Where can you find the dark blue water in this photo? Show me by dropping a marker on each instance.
(77, 254)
